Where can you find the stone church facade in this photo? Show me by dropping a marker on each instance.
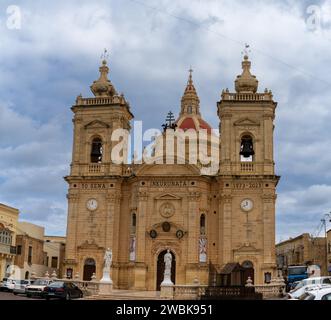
(223, 221)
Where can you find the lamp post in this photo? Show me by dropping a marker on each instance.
(326, 216)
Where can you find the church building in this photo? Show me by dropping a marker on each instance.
(218, 227)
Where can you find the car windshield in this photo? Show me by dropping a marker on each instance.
(56, 285)
(297, 270)
(40, 282)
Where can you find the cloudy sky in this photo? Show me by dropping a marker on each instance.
(54, 55)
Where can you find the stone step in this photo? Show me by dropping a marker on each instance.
(127, 295)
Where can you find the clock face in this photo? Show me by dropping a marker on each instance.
(92, 204)
(246, 204)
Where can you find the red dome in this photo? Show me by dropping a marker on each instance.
(188, 123)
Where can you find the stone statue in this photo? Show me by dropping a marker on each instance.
(167, 269)
(108, 258)
(168, 260)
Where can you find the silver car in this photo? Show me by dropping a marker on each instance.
(20, 286)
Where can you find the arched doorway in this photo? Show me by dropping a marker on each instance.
(89, 269)
(160, 269)
(26, 275)
(248, 271)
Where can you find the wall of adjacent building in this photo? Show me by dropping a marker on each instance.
(302, 250)
(8, 221)
(54, 247)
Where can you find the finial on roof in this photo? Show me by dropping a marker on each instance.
(103, 87)
(246, 82)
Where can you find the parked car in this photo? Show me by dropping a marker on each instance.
(8, 285)
(305, 284)
(2, 283)
(62, 290)
(37, 288)
(322, 293)
(20, 286)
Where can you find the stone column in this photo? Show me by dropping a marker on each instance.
(76, 149)
(226, 227)
(269, 228)
(71, 243)
(140, 266)
(193, 227)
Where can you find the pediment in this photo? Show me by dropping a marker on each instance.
(96, 124)
(246, 122)
(168, 196)
(89, 245)
(246, 248)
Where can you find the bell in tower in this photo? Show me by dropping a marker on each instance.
(96, 152)
(246, 148)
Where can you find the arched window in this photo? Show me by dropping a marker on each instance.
(246, 149)
(202, 224)
(133, 223)
(189, 109)
(96, 150)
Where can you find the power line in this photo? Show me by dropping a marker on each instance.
(199, 25)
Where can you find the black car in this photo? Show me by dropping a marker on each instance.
(62, 290)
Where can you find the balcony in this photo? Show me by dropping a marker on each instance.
(7, 249)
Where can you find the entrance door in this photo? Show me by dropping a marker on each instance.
(89, 269)
(160, 269)
(248, 271)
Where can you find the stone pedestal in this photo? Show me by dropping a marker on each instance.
(167, 291)
(106, 277)
(105, 288)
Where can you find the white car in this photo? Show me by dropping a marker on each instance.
(8, 285)
(305, 284)
(20, 286)
(322, 293)
(37, 288)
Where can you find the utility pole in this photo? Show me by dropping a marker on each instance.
(326, 215)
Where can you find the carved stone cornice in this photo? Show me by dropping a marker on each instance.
(269, 197)
(142, 195)
(73, 197)
(194, 196)
(226, 198)
(114, 197)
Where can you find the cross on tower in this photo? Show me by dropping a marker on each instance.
(105, 54)
(170, 122)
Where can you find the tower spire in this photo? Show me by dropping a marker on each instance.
(190, 100)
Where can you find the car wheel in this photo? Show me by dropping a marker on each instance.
(68, 296)
(15, 293)
(28, 295)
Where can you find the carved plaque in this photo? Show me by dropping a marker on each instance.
(167, 210)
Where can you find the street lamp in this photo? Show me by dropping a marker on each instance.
(326, 216)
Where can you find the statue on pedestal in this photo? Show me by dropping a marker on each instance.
(108, 257)
(167, 269)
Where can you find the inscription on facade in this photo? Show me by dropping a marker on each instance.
(247, 185)
(95, 186)
(169, 183)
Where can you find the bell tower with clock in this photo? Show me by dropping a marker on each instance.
(247, 183)
(95, 181)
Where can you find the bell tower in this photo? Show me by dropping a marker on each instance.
(94, 193)
(248, 181)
